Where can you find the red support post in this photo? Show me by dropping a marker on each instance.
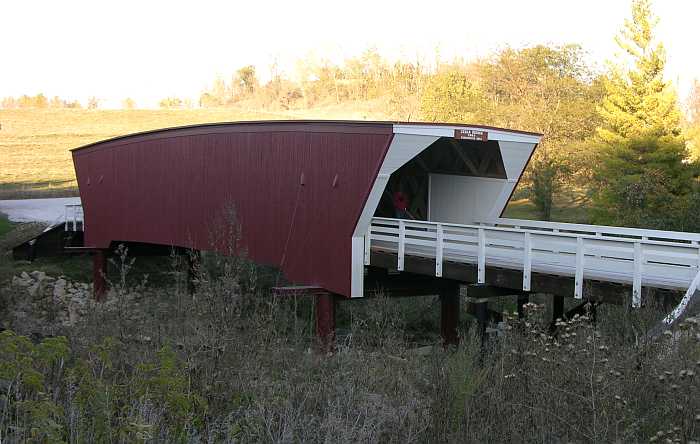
(99, 274)
(449, 316)
(325, 320)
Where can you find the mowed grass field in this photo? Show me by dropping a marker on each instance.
(35, 144)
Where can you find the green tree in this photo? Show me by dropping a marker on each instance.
(638, 101)
(642, 176)
(128, 103)
(694, 120)
(643, 182)
(93, 102)
(171, 102)
(545, 89)
(451, 96)
(245, 82)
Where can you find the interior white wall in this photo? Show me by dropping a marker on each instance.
(465, 199)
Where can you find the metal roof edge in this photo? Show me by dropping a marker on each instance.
(417, 128)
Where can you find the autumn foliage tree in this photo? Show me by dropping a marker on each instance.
(543, 89)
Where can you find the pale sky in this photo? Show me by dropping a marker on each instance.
(150, 49)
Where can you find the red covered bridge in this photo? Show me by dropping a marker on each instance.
(314, 198)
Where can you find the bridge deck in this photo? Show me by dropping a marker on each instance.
(650, 258)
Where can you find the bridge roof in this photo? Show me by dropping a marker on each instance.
(316, 126)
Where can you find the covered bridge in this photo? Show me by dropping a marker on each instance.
(304, 193)
(318, 200)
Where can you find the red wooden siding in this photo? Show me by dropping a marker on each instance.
(170, 187)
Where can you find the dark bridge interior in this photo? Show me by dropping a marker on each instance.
(445, 156)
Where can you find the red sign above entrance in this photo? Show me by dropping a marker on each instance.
(471, 134)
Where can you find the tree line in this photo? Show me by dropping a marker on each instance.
(37, 101)
(615, 138)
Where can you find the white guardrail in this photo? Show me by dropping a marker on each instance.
(74, 218)
(661, 259)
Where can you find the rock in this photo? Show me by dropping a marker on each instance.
(59, 290)
(38, 275)
(73, 314)
(25, 276)
(19, 282)
(33, 290)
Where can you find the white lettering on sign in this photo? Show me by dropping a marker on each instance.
(471, 134)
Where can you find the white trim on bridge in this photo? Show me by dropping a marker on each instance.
(652, 258)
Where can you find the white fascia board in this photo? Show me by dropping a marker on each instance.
(402, 149)
(515, 156)
(449, 131)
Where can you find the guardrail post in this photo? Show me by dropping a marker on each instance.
(368, 244)
(402, 244)
(438, 250)
(578, 279)
(481, 259)
(527, 261)
(637, 278)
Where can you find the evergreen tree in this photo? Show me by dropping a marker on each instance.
(638, 102)
(642, 177)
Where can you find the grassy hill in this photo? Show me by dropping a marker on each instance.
(36, 143)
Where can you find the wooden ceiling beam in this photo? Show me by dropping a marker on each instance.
(462, 155)
(486, 161)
